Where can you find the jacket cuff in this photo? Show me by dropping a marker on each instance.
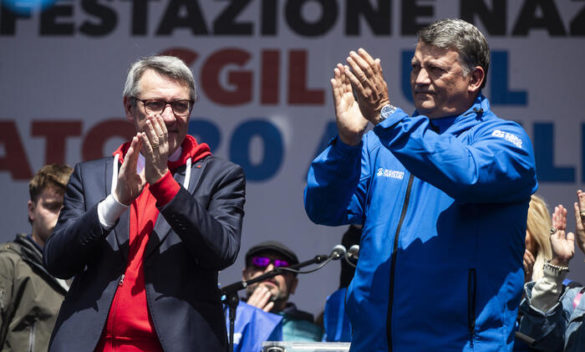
(547, 290)
(165, 189)
(391, 120)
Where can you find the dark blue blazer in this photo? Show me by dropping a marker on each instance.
(196, 234)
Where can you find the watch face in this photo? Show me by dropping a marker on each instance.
(387, 110)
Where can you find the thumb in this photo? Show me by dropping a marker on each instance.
(571, 237)
(142, 176)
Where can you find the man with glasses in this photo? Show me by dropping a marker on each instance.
(145, 231)
(267, 314)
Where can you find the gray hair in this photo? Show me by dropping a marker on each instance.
(461, 36)
(169, 66)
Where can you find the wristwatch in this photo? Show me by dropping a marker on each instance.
(386, 111)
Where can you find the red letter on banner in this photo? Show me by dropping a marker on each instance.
(14, 159)
(241, 81)
(269, 88)
(56, 133)
(298, 93)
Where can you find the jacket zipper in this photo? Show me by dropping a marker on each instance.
(31, 337)
(471, 298)
(393, 263)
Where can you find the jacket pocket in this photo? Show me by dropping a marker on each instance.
(471, 300)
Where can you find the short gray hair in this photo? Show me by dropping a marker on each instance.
(461, 36)
(168, 66)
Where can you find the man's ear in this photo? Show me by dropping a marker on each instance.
(129, 109)
(245, 273)
(477, 76)
(293, 285)
(31, 209)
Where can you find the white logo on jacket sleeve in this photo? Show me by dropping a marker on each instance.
(399, 175)
(512, 138)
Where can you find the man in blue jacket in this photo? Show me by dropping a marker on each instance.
(442, 195)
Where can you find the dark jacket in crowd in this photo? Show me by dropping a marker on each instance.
(30, 297)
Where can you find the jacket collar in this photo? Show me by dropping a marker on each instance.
(32, 254)
(458, 123)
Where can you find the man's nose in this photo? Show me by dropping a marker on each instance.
(270, 267)
(168, 114)
(422, 77)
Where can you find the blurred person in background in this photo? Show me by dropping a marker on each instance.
(552, 313)
(30, 297)
(538, 248)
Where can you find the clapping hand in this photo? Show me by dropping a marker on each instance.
(368, 83)
(350, 122)
(562, 242)
(130, 183)
(580, 219)
(155, 143)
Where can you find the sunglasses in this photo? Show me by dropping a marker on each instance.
(263, 262)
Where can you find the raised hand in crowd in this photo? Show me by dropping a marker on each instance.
(580, 219)
(562, 242)
(528, 262)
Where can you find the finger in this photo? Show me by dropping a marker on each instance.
(336, 87)
(131, 159)
(160, 128)
(150, 132)
(563, 217)
(559, 217)
(571, 237)
(362, 75)
(378, 66)
(254, 297)
(261, 297)
(142, 176)
(162, 125)
(578, 217)
(268, 307)
(581, 199)
(345, 83)
(363, 65)
(529, 256)
(353, 79)
(366, 57)
(147, 145)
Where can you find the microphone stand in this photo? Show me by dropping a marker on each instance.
(231, 291)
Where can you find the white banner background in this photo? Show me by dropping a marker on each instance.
(57, 89)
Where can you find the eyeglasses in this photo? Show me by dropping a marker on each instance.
(154, 106)
(263, 262)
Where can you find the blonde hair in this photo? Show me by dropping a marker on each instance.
(538, 225)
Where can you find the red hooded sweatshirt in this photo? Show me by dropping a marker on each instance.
(129, 327)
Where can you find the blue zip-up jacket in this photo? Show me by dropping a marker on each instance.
(444, 217)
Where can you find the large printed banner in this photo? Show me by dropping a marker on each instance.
(263, 69)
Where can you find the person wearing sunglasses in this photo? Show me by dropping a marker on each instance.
(265, 313)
